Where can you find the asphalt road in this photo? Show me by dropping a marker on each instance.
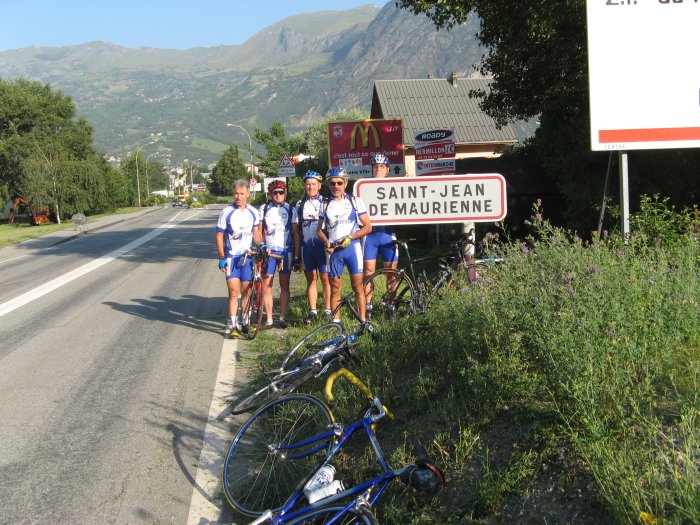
(109, 350)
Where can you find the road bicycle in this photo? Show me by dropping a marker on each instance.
(396, 292)
(325, 348)
(277, 456)
(252, 305)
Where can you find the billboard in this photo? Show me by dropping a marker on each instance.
(351, 144)
(644, 82)
(434, 200)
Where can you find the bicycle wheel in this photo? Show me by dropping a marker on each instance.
(256, 309)
(325, 514)
(353, 322)
(258, 476)
(278, 387)
(390, 294)
(311, 343)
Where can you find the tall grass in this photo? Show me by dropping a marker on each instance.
(573, 359)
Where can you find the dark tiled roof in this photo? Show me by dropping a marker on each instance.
(426, 104)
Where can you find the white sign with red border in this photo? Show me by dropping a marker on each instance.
(434, 200)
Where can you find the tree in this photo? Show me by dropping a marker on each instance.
(276, 145)
(536, 52)
(229, 168)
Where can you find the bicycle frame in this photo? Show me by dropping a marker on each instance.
(367, 492)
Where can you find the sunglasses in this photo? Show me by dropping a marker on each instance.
(336, 182)
(278, 192)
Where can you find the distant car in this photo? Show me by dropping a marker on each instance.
(177, 203)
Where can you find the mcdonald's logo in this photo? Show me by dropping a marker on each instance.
(364, 134)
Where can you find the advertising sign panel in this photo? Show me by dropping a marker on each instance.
(643, 76)
(351, 144)
(434, 200)
(435, 144)
(435, 167)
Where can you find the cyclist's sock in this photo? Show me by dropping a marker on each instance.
(269, 322)
(244, 320)
(233, 320)
(327, 311)
(336, 320)
(314, 312)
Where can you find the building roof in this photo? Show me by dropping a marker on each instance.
(438, 103)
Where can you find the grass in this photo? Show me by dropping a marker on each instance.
(12, 234)
(561, 388)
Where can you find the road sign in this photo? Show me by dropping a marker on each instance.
(286, 167)
(434, 200)
(352, 144)
(631, 107)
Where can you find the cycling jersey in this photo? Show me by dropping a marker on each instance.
(277, 226)
(341, 218)
(308, 218)
(237, 226)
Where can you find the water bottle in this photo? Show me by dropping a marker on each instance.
(334, 487)
(321, 482)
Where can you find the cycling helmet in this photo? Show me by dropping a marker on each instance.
(380, 158)
(426, 479)
(276, 185)
(313, 175)
(336, 173)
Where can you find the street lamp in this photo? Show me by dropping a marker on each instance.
(250, 145)
(138, 183)
(148, 189)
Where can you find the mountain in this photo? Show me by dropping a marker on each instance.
(294, 71)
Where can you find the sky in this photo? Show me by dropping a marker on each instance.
(171, 24)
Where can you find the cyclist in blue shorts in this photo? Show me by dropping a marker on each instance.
(308, 248)
(276, 231)
(381, 240)
(344, 220)
(236, 232)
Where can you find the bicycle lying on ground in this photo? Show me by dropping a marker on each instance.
(279, 465)
(393, 292)
(326, 347)
(252, 305)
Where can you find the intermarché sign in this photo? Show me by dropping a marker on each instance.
(351, 145)
(434, 200)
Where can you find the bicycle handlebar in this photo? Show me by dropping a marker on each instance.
(357, 383)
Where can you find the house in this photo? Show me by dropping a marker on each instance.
(438, 103)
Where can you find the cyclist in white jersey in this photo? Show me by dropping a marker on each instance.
(308, 248)
(236, 231)
(276, 230)
(344, 220)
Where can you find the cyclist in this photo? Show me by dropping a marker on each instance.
(308, 248)
(236, 232)
(276, 231)
(343, 221)
(381, 239)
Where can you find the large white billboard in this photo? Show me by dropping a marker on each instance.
(644, 74)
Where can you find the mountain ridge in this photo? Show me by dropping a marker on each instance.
(290, 71)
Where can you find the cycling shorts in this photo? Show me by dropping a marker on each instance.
(350, 257)
(381, 243)
(273, 262)
(238, 270)
(313, 254)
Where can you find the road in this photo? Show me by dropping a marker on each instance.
(111, 346)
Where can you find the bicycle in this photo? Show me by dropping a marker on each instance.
(324, 348)
(252, 306)
(288, 442)
(394, 292)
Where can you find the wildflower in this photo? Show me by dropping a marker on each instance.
(525, 250)
(568, 277)
(535, 301)
(593, 269)
(464, 289)
(527, 222)
(539, 202)
(618, 252)
(605, 234)
(570, 289)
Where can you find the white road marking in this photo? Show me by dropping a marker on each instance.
(203, 507)
(40, 291)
